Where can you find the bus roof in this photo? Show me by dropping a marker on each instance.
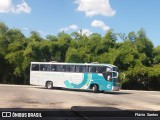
(88, 64)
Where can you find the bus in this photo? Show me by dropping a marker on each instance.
(93, 76)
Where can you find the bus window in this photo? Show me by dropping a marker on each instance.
(108, 76)
(48, 67)
(68, 68)
(42, 67)
(45, 67)
(57, 68)
(95, 69)
(72, 68)
(105, 69)
(53, 67)
(35, 67)
(64, 68)
(92, 69)
(81, 69)
(108, 69)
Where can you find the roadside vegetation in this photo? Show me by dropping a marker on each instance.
(137, 58)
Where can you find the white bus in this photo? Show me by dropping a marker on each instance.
(102, 77)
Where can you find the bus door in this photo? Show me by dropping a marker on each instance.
(110, 75)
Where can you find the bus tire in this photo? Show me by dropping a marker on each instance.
(94, 88)
(49, 85)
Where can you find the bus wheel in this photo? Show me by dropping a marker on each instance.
(94, 88)
(49, 85)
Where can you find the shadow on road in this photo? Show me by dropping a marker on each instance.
(89, 91)
(66, 89)
(94, 108)
(109, 113)
(117, 92)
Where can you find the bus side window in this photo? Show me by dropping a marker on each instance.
(47, 67)
(59, 68)
(81, 69)
(72, 68)
(35, 67)
(92, 69)
(64, 68)
(77, 69)
(53, 67)
(68, 68)
(98, 69)
(105, 69)
(42, 67)
(85, 69)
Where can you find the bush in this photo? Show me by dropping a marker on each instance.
(142, 78)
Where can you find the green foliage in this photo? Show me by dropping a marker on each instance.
(52, 38)
(3, 28)
(156, 53)
(141, 77)
(144, 45)
(132, 36)
(72, 56)
(136, 57)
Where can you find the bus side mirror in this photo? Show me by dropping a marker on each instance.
(115, 75)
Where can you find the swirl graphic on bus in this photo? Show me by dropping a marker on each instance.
(83, 85)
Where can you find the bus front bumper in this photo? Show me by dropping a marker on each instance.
(115, 88)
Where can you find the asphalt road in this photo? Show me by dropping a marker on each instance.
(31, 97)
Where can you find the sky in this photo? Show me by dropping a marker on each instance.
(49, 17)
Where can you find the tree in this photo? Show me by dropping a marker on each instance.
(52, 38)
(94, 42)
(126, 56)
(3, 37)
(132, 36)
(123, 36)
(76, 35)
(3, 28)
(108, 41)
(35, 36)
(73, 56)
(144, 45)
(157, 55)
